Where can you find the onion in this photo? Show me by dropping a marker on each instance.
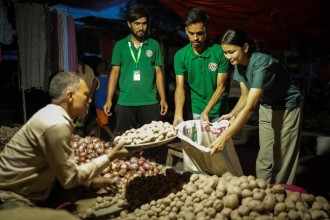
(141, 162)
(141, 168)
(122, 172)
(133, 166)
(90, 146)
(88, 139)
(123, 166)
(107, 145)
(115, 166)
(147, 166)
(96, 146)
(82, 154)
(100, 150)
(81, 148)
(128, 176)
(133, 160)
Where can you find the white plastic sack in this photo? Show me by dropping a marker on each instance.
(196, 137)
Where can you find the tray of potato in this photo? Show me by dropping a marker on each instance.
(149, 135)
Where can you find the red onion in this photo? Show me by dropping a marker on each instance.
(133, 160)
(107, 145)
(141, 162)
(81, 148)
(147, 166)
(133, 166)
(82, 154)
(100, 150)
(123, 166)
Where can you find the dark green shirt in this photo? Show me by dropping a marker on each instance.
(143, 91)
(265, 72)
(202, 72)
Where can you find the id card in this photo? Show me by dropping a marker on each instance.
(136, 75)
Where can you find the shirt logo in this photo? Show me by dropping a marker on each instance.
(149, 53)
(213, 66)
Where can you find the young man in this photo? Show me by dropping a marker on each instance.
(40, 152)
(206, 69)
(137, 64)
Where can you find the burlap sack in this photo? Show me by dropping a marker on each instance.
(196, 138)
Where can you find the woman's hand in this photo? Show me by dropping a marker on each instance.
(218, 144)
(230, 117)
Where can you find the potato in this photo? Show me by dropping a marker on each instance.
(226, 211)
(231, 201)
(309, 198)
(246, 193)
(279, 207)
(292, 214)
(269, 202)
(243, 210)
(217, 205)
(278, 189)
(256, 205)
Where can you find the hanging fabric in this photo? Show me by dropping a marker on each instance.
(31, 38)
(5, 27)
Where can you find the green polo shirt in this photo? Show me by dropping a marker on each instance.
(202, 71)
(135, 92)
(265, 72)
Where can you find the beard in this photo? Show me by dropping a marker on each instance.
(139, 35)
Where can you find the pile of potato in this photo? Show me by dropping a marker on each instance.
(153, 132)
(198, 196)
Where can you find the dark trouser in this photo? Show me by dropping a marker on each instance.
(134, 117)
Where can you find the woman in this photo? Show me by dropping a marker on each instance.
(266, 81)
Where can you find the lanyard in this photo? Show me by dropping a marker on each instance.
(136, 59)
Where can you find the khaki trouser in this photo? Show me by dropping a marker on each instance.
(279, 139)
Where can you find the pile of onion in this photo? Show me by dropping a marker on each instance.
(89, 147)
(126, 170)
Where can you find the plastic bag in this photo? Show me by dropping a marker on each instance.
(196, 137)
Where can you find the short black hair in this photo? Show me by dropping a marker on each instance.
(136, 12)
(196, 15)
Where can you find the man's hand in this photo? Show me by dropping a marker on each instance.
(107, 108)
(177, 120)
(102, 182)
(163, 107)
(205, 117)
(119, 151)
